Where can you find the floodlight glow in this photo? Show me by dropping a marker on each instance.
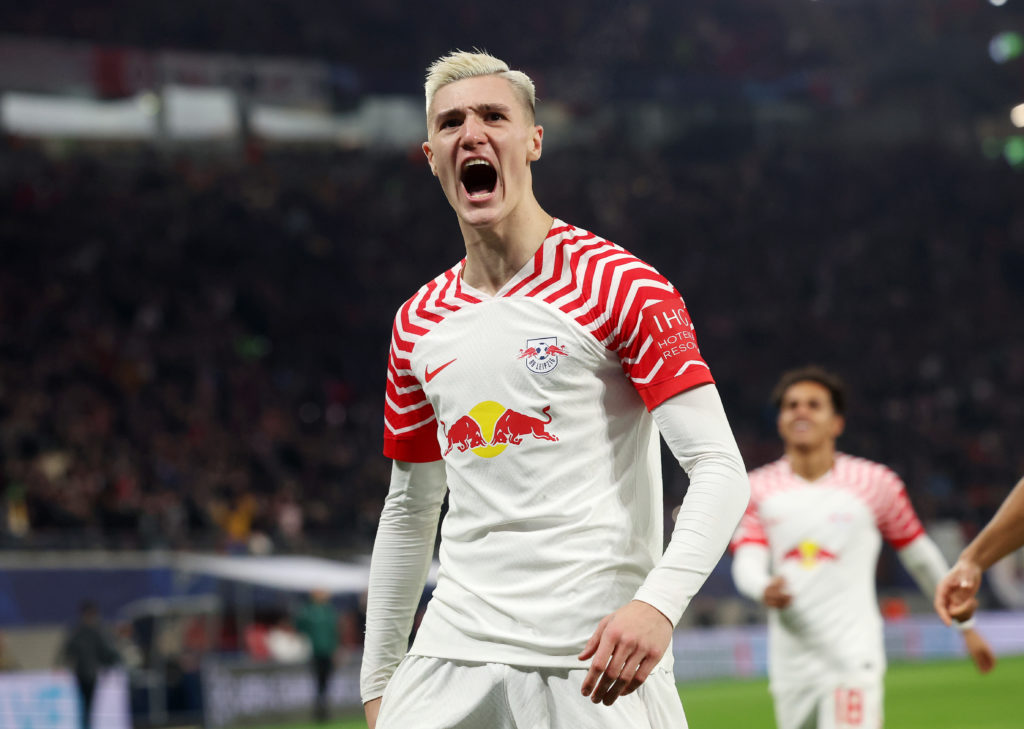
(997, 3)
(1005, 46)
(1017, 116)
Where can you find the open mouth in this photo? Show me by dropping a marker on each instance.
(479, 178)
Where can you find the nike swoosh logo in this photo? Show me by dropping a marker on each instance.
(431, 375)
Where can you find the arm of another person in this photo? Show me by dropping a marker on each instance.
(926, 565)
(630, 642)
(955, 594)
(402, 552)
(751, 571)
(751, 563)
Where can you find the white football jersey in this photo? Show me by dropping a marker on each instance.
(824, 538)
(537, 399)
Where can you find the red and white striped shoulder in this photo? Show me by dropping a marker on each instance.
(407, 412)
(771, 478)
(625, 304)
(885, 494)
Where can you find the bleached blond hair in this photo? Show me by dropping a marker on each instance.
(459, 65)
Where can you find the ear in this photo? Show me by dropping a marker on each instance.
(536, 144)
(838, 426)
(430, 157)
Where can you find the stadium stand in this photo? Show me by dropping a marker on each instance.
(193, 349)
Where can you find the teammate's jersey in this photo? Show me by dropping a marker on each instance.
(535, 399)
(824, 538)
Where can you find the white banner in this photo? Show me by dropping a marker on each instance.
(726, 652)
(49, 700)
(247, 692)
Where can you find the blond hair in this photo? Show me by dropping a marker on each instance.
(459, 65)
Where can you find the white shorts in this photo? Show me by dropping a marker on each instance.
(433, 693)
(851, 702)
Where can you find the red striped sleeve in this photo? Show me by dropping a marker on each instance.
(655, 337)
(627, 306)
(410, 425)
(887, 496)
(750, 529)
(896, 518)
(410, 429)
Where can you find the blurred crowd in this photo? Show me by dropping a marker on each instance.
(193, 348)
(576, 51)
(189, 351)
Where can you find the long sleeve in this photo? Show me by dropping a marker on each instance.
(695, 427)
(402, 552)
(924, 562)
(927, 566)
(751, 570)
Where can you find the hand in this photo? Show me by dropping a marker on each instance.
(980, 650)
(372, 708)
(954, 596)
(776, 595)
(626, 647)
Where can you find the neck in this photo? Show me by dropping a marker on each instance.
(495, 253)
(811, 464)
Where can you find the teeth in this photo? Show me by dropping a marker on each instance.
(477, 162)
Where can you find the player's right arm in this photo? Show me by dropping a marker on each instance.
(751, 562)
(402, 553)
(753, 578)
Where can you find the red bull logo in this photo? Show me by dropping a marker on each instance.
(489, 428)
(809, 554)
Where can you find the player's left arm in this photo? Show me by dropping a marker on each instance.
(630, 642)
(901, 527)
(956, 594)
(926, 565)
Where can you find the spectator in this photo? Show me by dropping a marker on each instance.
(146, 393)
(87, 651)
(318, 621)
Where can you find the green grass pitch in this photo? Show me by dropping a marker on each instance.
(935, 695)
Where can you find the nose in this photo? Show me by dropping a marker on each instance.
(472, 131)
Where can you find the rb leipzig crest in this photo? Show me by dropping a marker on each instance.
(542, 354)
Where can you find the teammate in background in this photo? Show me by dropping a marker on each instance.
(526, 382)
(955, 596)
(318, 621)
(86, 651)
(808, 547)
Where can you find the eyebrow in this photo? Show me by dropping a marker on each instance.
(479, 109)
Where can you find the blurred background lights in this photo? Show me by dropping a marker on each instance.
(1014, 151)
(1017, 115)
(997, 3)
(1006, 46)
(991, 147)
(149, 102)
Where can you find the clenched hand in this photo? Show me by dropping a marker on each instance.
(776, 595)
